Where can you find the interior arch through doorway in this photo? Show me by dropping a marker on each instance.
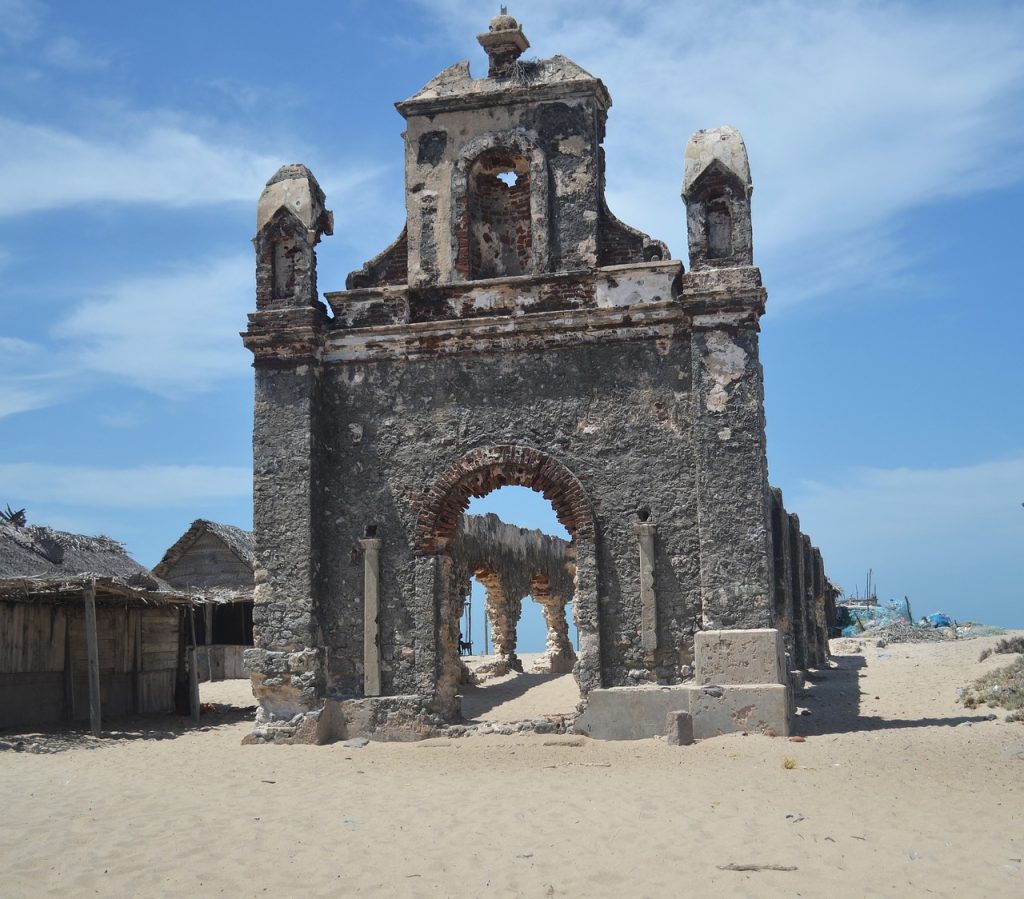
(474, 475)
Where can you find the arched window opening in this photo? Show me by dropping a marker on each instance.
(500, 232)
(719, 228)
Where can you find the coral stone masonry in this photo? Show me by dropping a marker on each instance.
(517, 333)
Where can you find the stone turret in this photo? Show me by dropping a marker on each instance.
(716, 189)
(290, 220)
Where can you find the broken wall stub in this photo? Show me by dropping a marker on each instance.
(576, 359)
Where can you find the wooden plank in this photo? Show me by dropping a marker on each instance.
(160, 661)
(89, 600)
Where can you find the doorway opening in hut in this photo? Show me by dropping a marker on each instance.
(518, 640)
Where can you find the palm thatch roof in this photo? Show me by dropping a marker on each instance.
(237, 540)
(37, 561)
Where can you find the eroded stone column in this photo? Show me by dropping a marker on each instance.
(645, 532)
(503, 613)
(559, 656)
(371, 616)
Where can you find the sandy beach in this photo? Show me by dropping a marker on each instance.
(887, 796)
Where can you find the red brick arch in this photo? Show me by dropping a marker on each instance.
(488, 468)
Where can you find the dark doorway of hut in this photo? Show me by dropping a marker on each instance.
(518, 640)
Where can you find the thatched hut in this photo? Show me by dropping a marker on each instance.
(214, 563)
(84, 628)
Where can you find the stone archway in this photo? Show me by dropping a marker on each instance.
(478, 473)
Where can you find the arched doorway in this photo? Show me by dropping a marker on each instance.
(476, 474)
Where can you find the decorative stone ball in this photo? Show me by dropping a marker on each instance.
(504, 22)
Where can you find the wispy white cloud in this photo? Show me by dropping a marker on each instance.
(46, 167)
(65, 52)
(167, 333)
(150, 486)
(20, 20)
(25, 383)
(950, 534)
(854, 113)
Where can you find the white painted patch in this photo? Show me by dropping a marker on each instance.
(572, 146)
(725, 362)
(724, 434)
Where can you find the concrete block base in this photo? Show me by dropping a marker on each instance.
(638, 713)
(754, 708)
(755, 656)
(630, 713)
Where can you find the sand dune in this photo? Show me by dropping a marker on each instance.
(888, 797)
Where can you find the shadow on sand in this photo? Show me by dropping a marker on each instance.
(478, 701)
(59, 738)
(833, 698)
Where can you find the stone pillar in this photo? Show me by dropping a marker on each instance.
(782, 612)
(814, 656)
(725, 296)
(371, 616)
(559, 656)
(504, 615)
(802, 655)
(285, 335)
(732, 472)
(645, 532)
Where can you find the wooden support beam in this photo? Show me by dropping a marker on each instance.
(92, 647)
(193, 670)
(137, 666)
(69, 674)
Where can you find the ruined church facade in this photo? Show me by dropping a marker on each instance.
(515, 333)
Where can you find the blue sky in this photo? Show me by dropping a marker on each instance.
(886, 151)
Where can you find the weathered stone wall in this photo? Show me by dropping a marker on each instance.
(629, 395)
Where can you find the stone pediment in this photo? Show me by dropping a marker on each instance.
(456, 86)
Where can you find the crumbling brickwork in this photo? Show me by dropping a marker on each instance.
(515, 334)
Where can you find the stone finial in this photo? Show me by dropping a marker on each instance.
(724, 146)
(294, 188)
(290, 220)
(717, 189)
(504, 42)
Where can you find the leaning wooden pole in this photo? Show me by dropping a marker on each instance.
(92, 647)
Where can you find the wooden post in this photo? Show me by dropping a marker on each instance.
(371, 616)
(193, 672)
(208, 624)
(69, 674)
(138, 660)
(645, 532)
(92, 646)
